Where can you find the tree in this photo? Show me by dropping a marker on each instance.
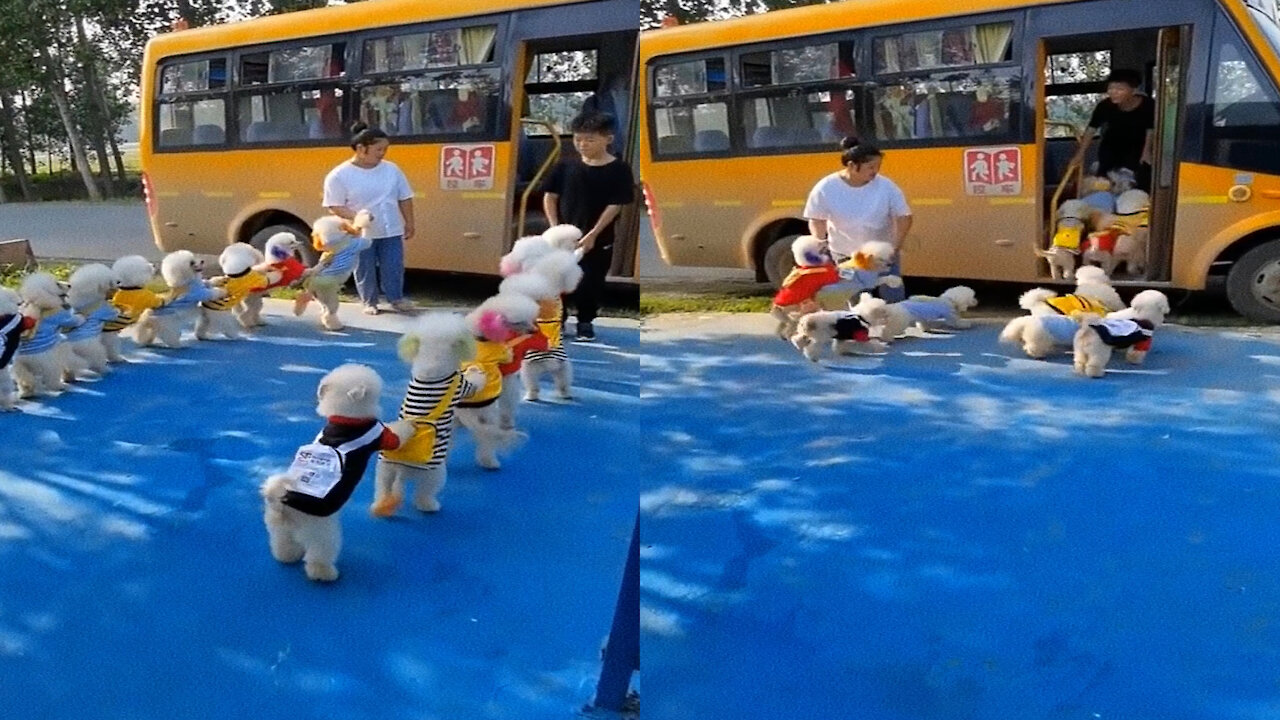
(690, 11)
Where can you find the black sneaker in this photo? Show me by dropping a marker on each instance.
(586, 333)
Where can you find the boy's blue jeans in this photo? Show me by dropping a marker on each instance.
(381, 265)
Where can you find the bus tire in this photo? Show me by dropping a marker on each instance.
(778, 260)
(1253, 283)
(308, 253)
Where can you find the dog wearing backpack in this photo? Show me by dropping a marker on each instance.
(302, 504)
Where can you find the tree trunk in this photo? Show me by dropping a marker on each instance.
(119, 157)
(188, 13)
(97, 106)
(31, 142)
(12, 148)
(57, 90)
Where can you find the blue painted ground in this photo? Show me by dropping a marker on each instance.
(136, 580)
(962, 534)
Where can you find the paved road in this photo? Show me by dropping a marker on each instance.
(105, 231)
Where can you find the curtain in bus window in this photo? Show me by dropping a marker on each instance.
(992, 42)
(477, 44)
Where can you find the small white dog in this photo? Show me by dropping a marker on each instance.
(927, 312)
(863, 272)
(280, 264)
(91, 287)
(493, 324)
(539, 289)
(1094, 293)
(182, 271)
(1040, 335)
(132, 297)
(528, 250)
(238, 281)
(843, 330)
(339, 243)
(814, 270)
(42, 354)
(435, 347)
(560, 269)
(13, 325)
(301, 505)
(1130, 330)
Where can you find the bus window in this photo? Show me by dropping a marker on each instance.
(774, 112)
(1245, 111)
(957, 103)
(1067, 76)
(186, 115)
(953, 47)
(450, 93)
(954, 105)
(559, 104)
(307, 107)
(686, 120)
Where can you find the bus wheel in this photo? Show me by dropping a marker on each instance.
(779, 260)
(1253, 285)
(308, 253)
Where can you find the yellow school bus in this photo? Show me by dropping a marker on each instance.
(241, 122)
(744, 116)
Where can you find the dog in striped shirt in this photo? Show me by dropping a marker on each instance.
(435, 347)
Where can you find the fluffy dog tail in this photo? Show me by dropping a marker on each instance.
(1013, 332)
(274, 488)
(1031, 299)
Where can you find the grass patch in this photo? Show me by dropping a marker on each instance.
(659, 303)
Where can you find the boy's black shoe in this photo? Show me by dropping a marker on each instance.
(586, 333)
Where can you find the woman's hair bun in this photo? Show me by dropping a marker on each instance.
(849, 143)
(358, 127)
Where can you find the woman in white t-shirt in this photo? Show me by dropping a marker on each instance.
(368, 182)
(857, 205)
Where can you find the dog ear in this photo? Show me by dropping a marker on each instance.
(357, 392)
(408, 347)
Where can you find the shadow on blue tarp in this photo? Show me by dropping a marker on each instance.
(136, 579)
(955, 531)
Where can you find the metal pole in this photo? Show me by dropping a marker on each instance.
(622, 652)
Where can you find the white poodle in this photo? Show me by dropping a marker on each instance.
(563, 272)
(814, 270)
(528, 250)
(494, 324)
(13, 325)
(539, 289)
(863, 272)
(435, 347)
(41, 354)
(301, 505)
(91, 287)
(182, 271)
(843, 330)
(238, 281)
(281, 266)
(339, 243)
(926, 312)
(1130, 330)
(1093, 293)
(132, 297)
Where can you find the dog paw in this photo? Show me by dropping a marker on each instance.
(489, 463)
(427, 505)
(322, 572)
(386, 507)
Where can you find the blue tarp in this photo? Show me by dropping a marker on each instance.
(135, 580)
(956, 531)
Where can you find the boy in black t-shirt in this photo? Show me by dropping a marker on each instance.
(589, 194)
(1127, 121)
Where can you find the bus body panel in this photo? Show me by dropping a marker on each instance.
(1206, 213)
(955, 235)
(457, 230)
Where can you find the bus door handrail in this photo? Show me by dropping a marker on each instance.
(1075, 167)
(552, 157)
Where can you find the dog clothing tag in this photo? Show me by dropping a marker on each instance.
(316, 469)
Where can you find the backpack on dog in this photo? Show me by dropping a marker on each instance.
(317, 468)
